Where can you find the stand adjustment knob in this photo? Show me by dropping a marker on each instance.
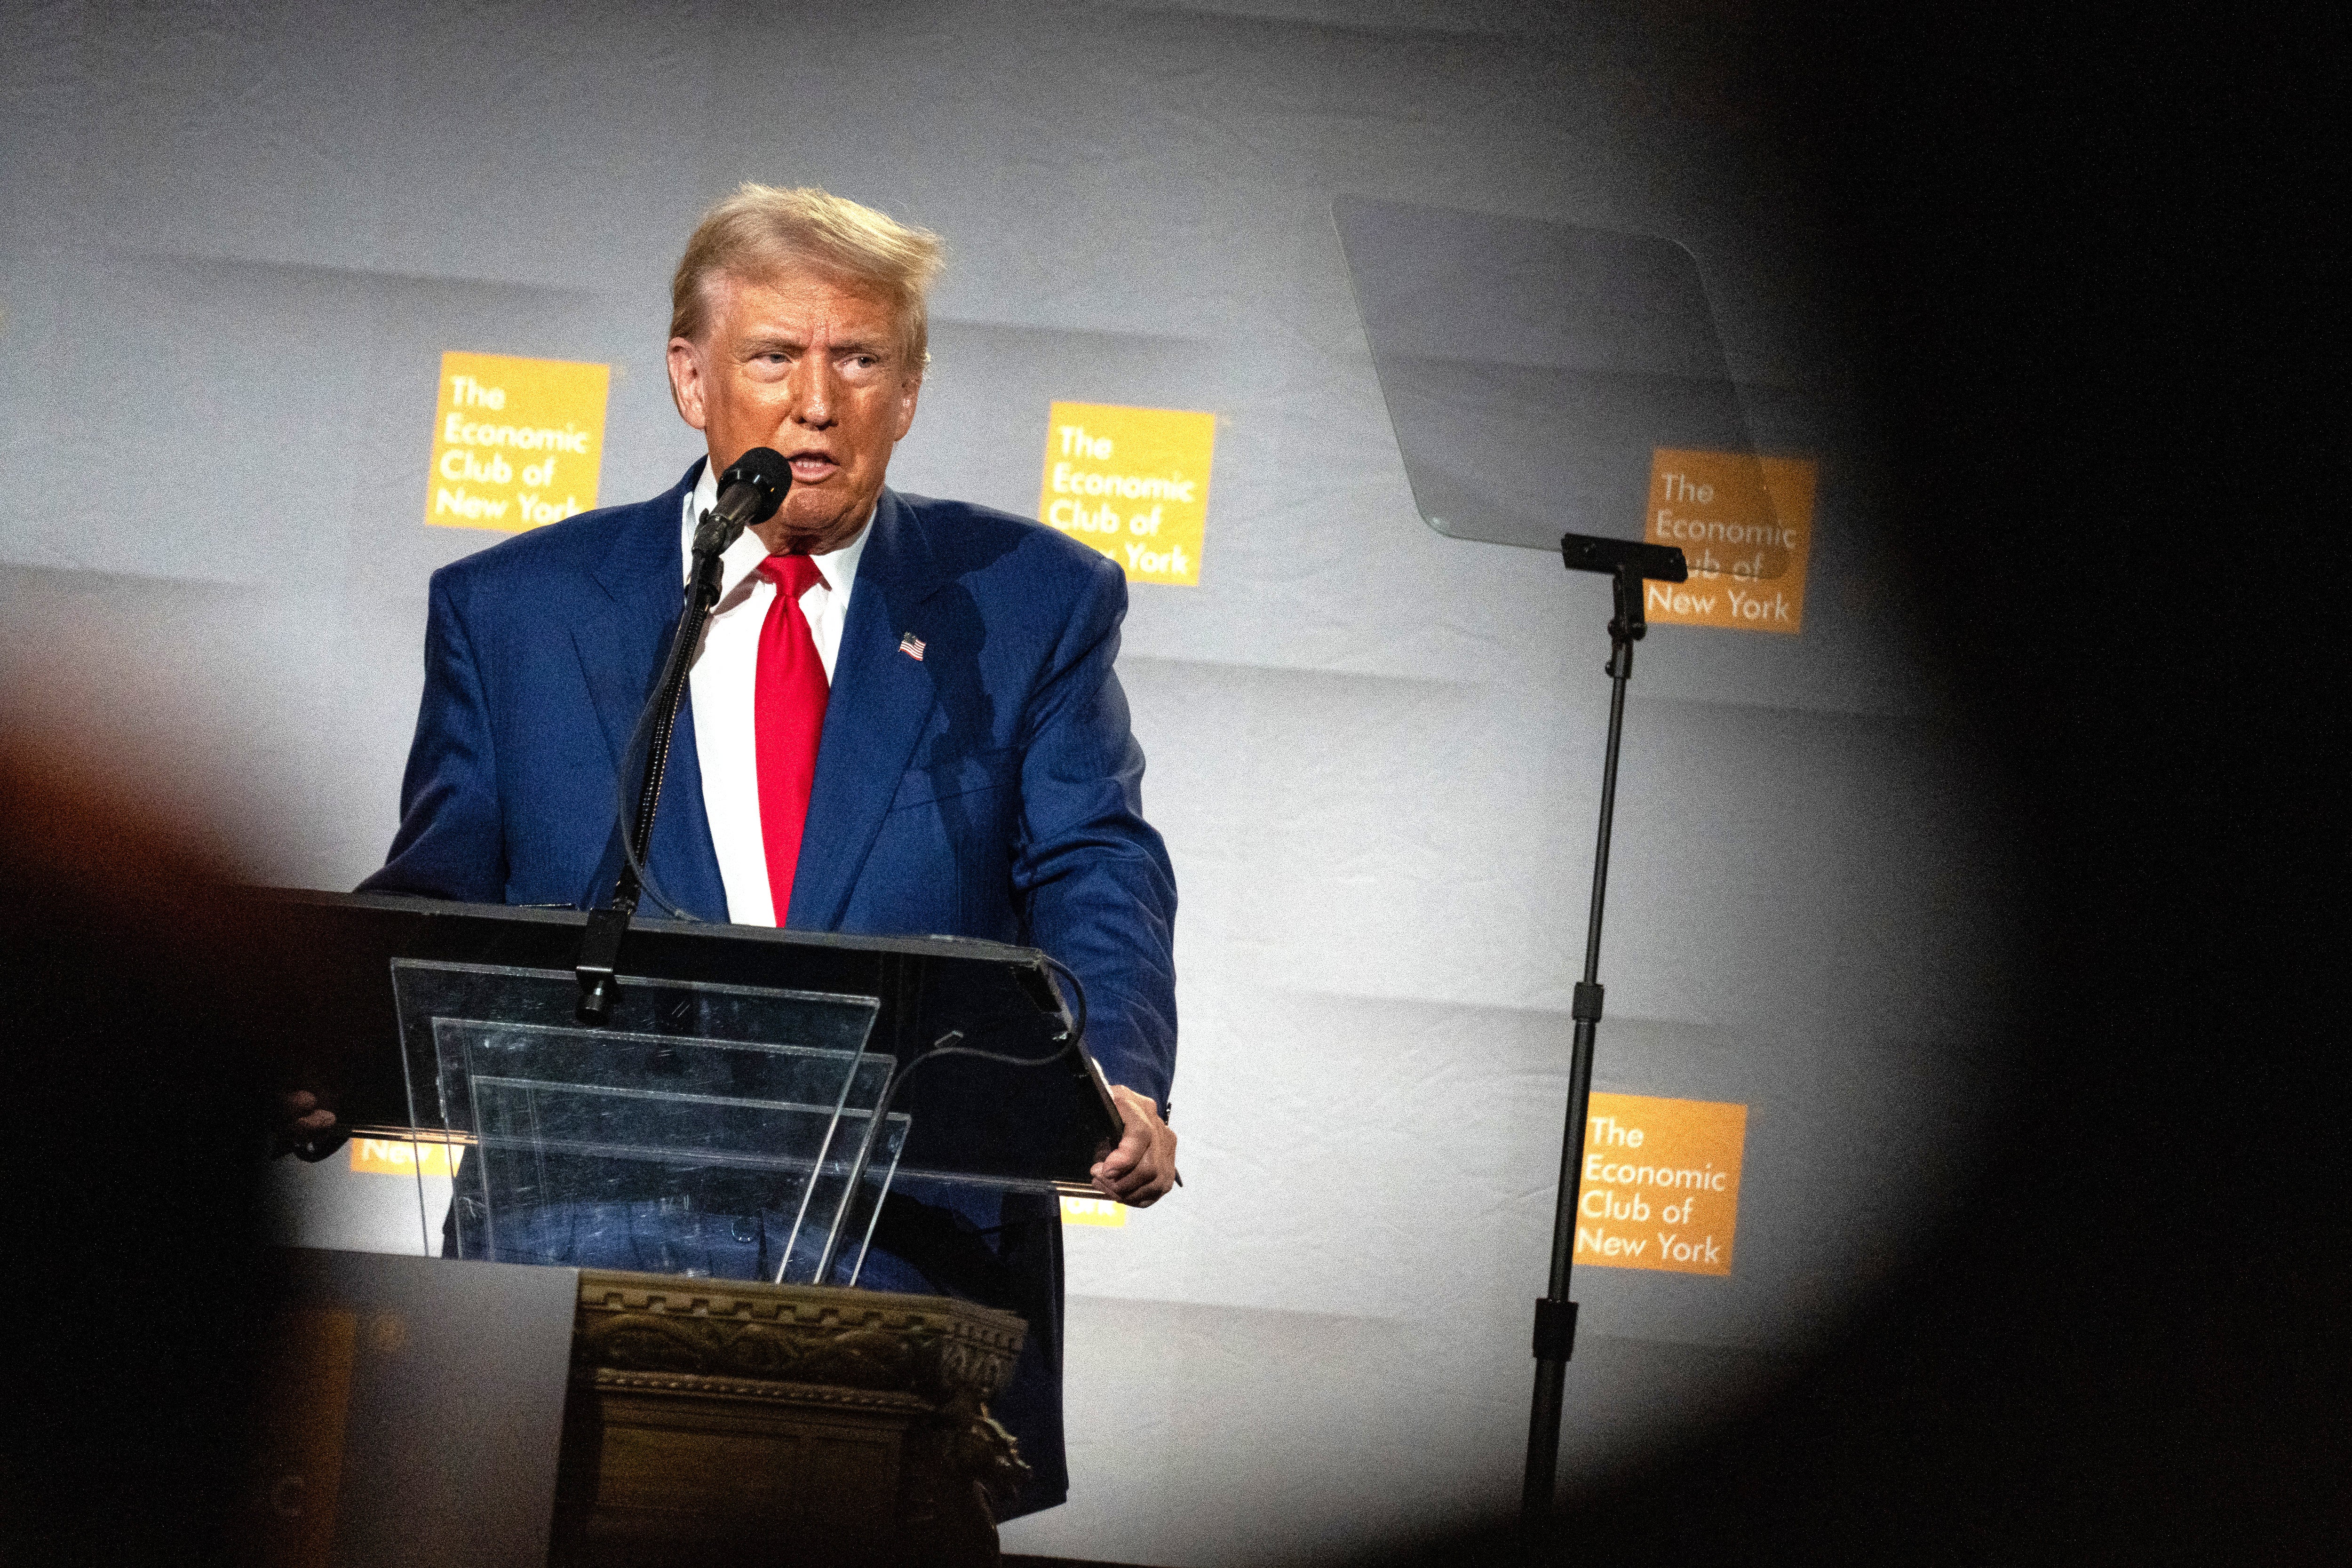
(1555, 1329)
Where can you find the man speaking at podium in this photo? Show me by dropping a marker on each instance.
(903, 720)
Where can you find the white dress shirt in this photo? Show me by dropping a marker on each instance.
(721, 686)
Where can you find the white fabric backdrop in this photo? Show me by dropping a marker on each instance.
(236, 238)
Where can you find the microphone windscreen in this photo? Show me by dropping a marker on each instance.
(762, 469)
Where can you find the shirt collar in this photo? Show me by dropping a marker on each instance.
(837, 567)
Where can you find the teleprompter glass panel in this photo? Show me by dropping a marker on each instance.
(1542, 377)
(707, 1130)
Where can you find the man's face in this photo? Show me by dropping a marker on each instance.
(811, 366)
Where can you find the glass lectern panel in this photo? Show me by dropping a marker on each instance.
(718, 1130)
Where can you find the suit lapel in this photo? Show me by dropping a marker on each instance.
(880, 699)
(620, 638)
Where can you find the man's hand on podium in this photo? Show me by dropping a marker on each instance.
(1139, 1172)
(305, 1127)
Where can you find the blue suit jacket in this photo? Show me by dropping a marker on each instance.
(989, 789)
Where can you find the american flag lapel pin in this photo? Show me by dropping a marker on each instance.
(912, 646)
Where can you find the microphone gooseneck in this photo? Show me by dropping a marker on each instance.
(750, 491)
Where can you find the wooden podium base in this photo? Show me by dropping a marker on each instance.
(720, 1421)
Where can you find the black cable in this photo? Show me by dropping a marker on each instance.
(1071, 1038)
(622, 814)
(1077, 1030)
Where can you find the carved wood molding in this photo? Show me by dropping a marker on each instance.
(935, 1360)
(604, 1379)
(945, 1351)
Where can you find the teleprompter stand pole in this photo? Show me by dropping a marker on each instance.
(1628, 564)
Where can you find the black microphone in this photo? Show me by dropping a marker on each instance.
(750, 491)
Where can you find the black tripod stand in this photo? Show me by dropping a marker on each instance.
(1628, 564)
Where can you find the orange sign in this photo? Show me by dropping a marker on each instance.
(516, 442)
(1133, 483)
(397, 1157)
(1745, 526)
(1107, 1212)
(1661, 1183)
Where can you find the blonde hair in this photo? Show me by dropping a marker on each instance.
(763, 230)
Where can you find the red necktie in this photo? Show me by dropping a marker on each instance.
(787, 718)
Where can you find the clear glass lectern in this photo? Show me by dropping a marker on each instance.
(728, 1130)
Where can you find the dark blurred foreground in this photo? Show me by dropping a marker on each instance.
(2092, 263)
(2087, 255)
(129, 990)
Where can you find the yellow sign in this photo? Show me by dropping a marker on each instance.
(516, 442)
(395, 1157)
(1093, 1211)
(1745, 526)
(1661, 1183)
(1133, 483)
